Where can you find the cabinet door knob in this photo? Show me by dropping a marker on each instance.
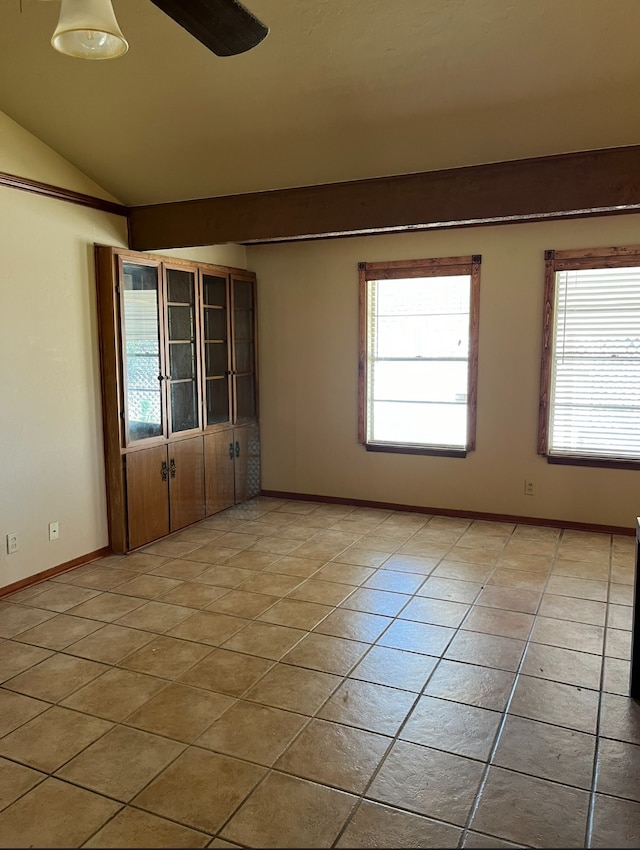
(172, 466)
(237, 449)
(164, 470)
(231, 455)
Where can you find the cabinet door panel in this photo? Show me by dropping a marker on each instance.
(218, 471)
(182, 342)
(147, 495)
(247, 463)
(186, 482)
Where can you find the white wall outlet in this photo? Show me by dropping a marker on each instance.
(529, 487)
(12, 542)
(54, 530)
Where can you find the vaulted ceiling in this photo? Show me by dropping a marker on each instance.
(339, 90)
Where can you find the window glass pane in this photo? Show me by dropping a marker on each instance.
(429, 381)
(423, 336)
(180, 286)
(184, 406)
(217, 401)
(421, 424)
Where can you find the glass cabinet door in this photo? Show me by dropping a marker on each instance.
(216, 356)
(243, 349)
(182, 377)
(142, 363)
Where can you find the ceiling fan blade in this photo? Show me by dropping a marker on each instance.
(224, 26)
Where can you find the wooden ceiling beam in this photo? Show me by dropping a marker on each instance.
(602, 182)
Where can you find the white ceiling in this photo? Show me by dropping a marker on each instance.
(339, 90)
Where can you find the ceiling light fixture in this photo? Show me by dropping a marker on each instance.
(88, 29)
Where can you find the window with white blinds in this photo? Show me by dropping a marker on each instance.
(593, 358)
(419, 354)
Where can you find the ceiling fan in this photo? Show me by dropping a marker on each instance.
(88, 29)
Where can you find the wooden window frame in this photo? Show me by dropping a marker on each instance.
(402, 269)
(571, 260)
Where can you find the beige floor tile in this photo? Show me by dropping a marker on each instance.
(417, 637)
(450, 589)
(326, 653)
(406, 563)
(520, 545)
(376, 708)
(478, 840)
(52, 738)
(110, 643)
(296, 614)
(438, 612)
(477, 540)
(580, 636)
(208, 627)
(272, 584)
(55, 814)
(16, 709)
(395, 667)
(226, 576)
(156, 617)
(465, 555)
(249, 559)
(451, 726)
(185, 792)
(324, 592)
(531, 563)
(240, 603)
(578, 610)
(142, 562)
(525, 601)
(62, 597)
(148, 586)
(273, 545)
(618, 644)
(324, 551)
(344, 573)
(619, 617)
(548, 752)
(462, 571)
(121, 763)
(536, 532)
(180, 569)
(16, 780)
(115, 694)
(620, 718)
(133, 828)
(518, 579)
(531, 811)
(353, 625)
(424, 549)
(556, 702)
(293, 565)
(619, 769)
(98, 577)
(193, 594)
(257, 733)
(580, 588)
(59, 632)
(563, 665)
(581, 569)
(616, 675)
(211, 553)
(265, 640)
(107, 607)
(285, 811)
(395, 581)
(166, 657)
(294, 688)
(15, 619)
(623, 573)
(362, 557)
(170, 548)
(375, 601)
(227, 672)
(499, 621)
(374, 825)
(17, 657)
(55, 677)
(429, 782)
(335, 755)
(616, 823)
(485, 650)
(470, 684)
(338, 538)
(180, 712)
(237, 540)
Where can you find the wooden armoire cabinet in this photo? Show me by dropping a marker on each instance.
(179, 391)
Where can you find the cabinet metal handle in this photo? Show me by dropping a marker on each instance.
(172, 465)
(237, 449)
(164, 470)
(231, 451)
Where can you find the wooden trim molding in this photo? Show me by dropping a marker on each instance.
(54, 571)
(419, 509)
(25, 184)
(574, 185)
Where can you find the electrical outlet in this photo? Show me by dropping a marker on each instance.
(54, 530)
(529, 487)
(12, 542)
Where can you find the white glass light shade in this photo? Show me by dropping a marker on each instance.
(87, 29)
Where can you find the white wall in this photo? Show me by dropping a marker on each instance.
(51, 454)
(308, 325)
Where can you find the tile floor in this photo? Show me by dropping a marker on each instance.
(298, 674)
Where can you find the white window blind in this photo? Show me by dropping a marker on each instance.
(418, 361)
(595, 386)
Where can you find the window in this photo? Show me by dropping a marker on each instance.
(419, 355)
(590, 381)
